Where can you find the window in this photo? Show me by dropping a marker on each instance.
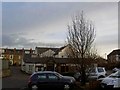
(27, 52)
(42, 76)
(30, 67)
(19, 57)
(11, 56)
(3, 50)
(62, 68)
(67, 69)
(3, 55)
(52, 76)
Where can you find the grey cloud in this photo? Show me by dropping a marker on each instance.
(21, 42)
(27, 17)
(108, 40)
(22, 16)
(12, 40)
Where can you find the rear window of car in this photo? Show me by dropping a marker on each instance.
(52, 76)
(100, 70)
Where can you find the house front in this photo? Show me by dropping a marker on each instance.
(51, 59)
(33, 64)
(14, 56)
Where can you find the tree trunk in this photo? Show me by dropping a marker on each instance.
(83, 74)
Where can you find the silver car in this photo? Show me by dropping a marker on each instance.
(111, 81)
(97, 73)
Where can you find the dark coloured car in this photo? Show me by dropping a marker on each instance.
(77, 76)
(50, 79)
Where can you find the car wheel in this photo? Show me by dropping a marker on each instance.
(103, 85)
(34, 87)
(100, 77)
(66, 87)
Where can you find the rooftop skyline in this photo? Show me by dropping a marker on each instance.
(31, 24)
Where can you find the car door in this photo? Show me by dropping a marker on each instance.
(54, 81)
(42, 80)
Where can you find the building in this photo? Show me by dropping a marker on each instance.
(114, 56)
(53, 59)
(31, 64)
(64, 52)
(14, 55)
(44, 58)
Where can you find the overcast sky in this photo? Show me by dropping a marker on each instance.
(31, 24)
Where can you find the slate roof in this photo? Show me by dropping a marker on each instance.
(58, 50)
(44, 49)
(61, 49)
(17, 51)
(28, 59)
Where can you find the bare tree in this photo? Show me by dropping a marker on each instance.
(81, 35)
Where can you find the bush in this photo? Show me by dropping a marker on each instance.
(94, 85)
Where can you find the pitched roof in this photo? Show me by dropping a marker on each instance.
(115, 52)
(60, 49)
(17, 51)
(44, 49)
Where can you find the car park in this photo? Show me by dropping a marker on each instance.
(50, 79)
(111, 81)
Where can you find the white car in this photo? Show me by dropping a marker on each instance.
(112, 81)
(97, 73)
(116, 69)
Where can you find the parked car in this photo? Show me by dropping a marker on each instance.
(97, 73)
(111, 81)
(115, 69)
(50, 79)
(92, 74)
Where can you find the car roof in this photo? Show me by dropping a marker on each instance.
(38, 72)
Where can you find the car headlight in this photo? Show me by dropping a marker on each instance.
(71, 81)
